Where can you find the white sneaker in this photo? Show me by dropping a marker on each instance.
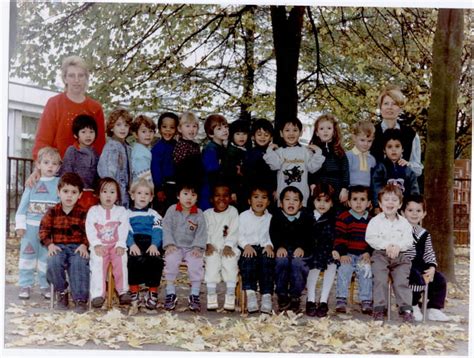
(252, 305)
(24, 293)
(266, 306)
(46, 293)
(212, 302)
(417, 313)
(436, 315)
(229, 303)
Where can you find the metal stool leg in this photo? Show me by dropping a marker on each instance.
(425, 302)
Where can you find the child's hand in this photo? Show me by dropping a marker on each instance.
(393, 251)
(365, 258)
(82, 251)
(233, 197)
(210, 249)
(170, 249)
(281, 252)
(313, 147)
(402, 162)
(345, 259)
(99, 250)
(269, 251)
(33, 178)
(335, 255)
(153, 250)
(272, 146)
(377, 211)
(249, 251)
(299, 252)
(228, 252)
(343, 195)
(135, 250)
(161, 196)
(20, 233)
(119, 250)
(197, 252)
(53, 250)
(429, 274)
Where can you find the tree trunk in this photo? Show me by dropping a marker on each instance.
(287, 42)
(249, 65)
(446, 70)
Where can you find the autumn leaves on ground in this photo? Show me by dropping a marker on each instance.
(31, 324)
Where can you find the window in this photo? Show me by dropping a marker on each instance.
(29, 125)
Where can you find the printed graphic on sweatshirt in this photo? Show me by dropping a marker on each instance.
(39, 208)
(42, 189)
(108, 233)
(293, 175)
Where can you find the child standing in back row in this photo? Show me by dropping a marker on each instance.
(359, 158)
(143, 129)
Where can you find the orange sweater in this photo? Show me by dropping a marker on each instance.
(55, 124)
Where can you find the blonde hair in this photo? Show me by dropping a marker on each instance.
(73, 61)
(363, 127)
(48, 151)
(395, 93)
(188, 117)
(141, 182)
(114, 116)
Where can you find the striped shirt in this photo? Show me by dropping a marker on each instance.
(350, 234)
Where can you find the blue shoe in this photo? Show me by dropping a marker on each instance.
(170, 302)
(194, 303)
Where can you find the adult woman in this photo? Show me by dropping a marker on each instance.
(390, 103)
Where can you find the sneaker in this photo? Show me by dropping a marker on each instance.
(295, 304)
(266, 305)
(229, 303)
(135, 297)
(194, 303)
(24, 293)
(435, 314)
(366, 307)
(125, 298)
(81, 306)
(407, 316)
(63, 301)
(341, 305)
(151, 300)
(252, 304)
(170, 302)
(46, 293)
(417, 313)
(378, 316)
(283, 303)
(310, 308)
(212, 302)
(322, 310)
(97, 302)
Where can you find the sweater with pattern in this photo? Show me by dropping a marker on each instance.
(350, 234)
(145, 222)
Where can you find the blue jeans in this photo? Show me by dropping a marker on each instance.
(344, 275)
(290, 275)
(77, 269)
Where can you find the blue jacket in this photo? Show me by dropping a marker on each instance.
(162, 165)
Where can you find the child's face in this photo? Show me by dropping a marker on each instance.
(414, 213)
(291, 203)
(188, 130)
(108, 195)
(48, 165)
(69, 195)
(325, 131)
(144, 135)
(362, 142)
(141, 197)
(322, 204)
(120, 129)
(259, 202)
(221, 133)
(187, 198)
(240, 138)
(85, 137)
(389, 109)
(168, 128)
(393, 150)
(290, 134)
(221, 198)
(359, 202)
(262, 137)
(390, 203)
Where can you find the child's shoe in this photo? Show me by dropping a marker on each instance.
(366, 307)
(252, 304)
(417, 315)
(46, 293)
(125, 298)
(24, 293)
(151, 300)
(407, 316)
(97, 302)
(229, 303)
(378, 316)
(295, 304)
(194, 303)
(135, 297)
(310, 308)
(322, 310)
(212, 302)
(170, 302)
(63, 301)
(266, 305)
(436, 315)
(283, 303)
(81, 306)
(341, 305)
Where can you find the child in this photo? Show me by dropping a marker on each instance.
(81, 158)
(222, 255)
(423, 269)
(390, 235)
(114, 161)
(351, 249)
(34, 203)
(257, 262)
(145, 264)
(393, 169)
(322, 235)
(293, 161)
(184, 238)
(290, 232)
(62, 231)
(187, 154)
(359, 158)
(239, 141)
(107, 229)
(213, 155)
(162, 165)
(335, 169)
(143, 129)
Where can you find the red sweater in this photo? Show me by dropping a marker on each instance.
(55, 124)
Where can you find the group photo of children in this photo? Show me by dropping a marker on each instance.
(250, 208)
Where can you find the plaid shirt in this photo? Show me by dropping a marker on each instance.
(60, 228)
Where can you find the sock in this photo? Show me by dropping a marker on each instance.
(230, 288)
(211, 288)
(134, 288)
(328, 281)
(170, 289)
(311, 284)
(153, 289)
(195, 288)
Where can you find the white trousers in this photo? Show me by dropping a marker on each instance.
(220, 268)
